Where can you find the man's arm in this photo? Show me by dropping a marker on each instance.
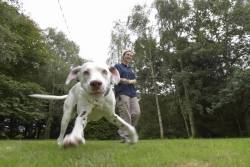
(127, 81)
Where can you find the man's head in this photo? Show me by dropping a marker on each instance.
(127, 56)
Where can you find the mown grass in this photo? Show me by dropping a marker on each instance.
(147, 153)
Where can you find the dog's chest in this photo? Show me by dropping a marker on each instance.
(96, 114)
(99, 110)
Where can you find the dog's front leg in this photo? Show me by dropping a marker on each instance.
(76, 137)
(68, 107)
(119, 122)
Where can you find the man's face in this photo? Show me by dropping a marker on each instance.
(128, 57)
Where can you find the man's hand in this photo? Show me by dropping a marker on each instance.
(133, 81)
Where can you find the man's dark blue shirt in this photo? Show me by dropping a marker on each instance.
(125, 89)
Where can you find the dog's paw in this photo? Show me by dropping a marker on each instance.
(69, 142)
(72, 141)
(79, 140)
(133, 137)
(60, 144)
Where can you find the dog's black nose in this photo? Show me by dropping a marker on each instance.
(95, 84)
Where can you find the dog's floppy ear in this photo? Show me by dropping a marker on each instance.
(73, 74)
(115, 77)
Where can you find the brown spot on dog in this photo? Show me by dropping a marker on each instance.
(83, 113)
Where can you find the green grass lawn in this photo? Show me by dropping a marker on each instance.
(147, 153)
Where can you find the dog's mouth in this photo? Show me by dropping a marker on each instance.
(97, 92)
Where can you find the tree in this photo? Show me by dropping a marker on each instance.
(120, 41)
(145, 47)
(203, 44)
(64, 55)
(172, 19)
(234, 101)
(32, 61)
(21, 54)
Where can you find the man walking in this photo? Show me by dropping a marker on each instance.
(126, 96)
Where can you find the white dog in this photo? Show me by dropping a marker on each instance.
(94, 98)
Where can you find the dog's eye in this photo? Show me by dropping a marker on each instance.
(86, 72)
(105, 72)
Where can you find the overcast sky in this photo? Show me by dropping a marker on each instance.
(89, 21)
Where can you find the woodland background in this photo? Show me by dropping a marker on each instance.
(192, 59)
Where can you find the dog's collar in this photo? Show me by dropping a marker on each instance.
(107, 91)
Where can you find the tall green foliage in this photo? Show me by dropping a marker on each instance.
(64, 55)
(200, 40)
(22, 47)
(197, 48)
(22, 52)
(31, 61)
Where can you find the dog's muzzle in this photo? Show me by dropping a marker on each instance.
(95, 85)
(96, 88)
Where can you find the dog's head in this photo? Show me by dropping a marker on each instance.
(95, 78)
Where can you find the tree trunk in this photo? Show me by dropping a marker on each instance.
(49, 120)
(157, 101)
(51, 106)
(189, 111)
(240, 131)
(188, 105)
(159, 117)
(247, 123)
(184, 115)
(247, 120)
